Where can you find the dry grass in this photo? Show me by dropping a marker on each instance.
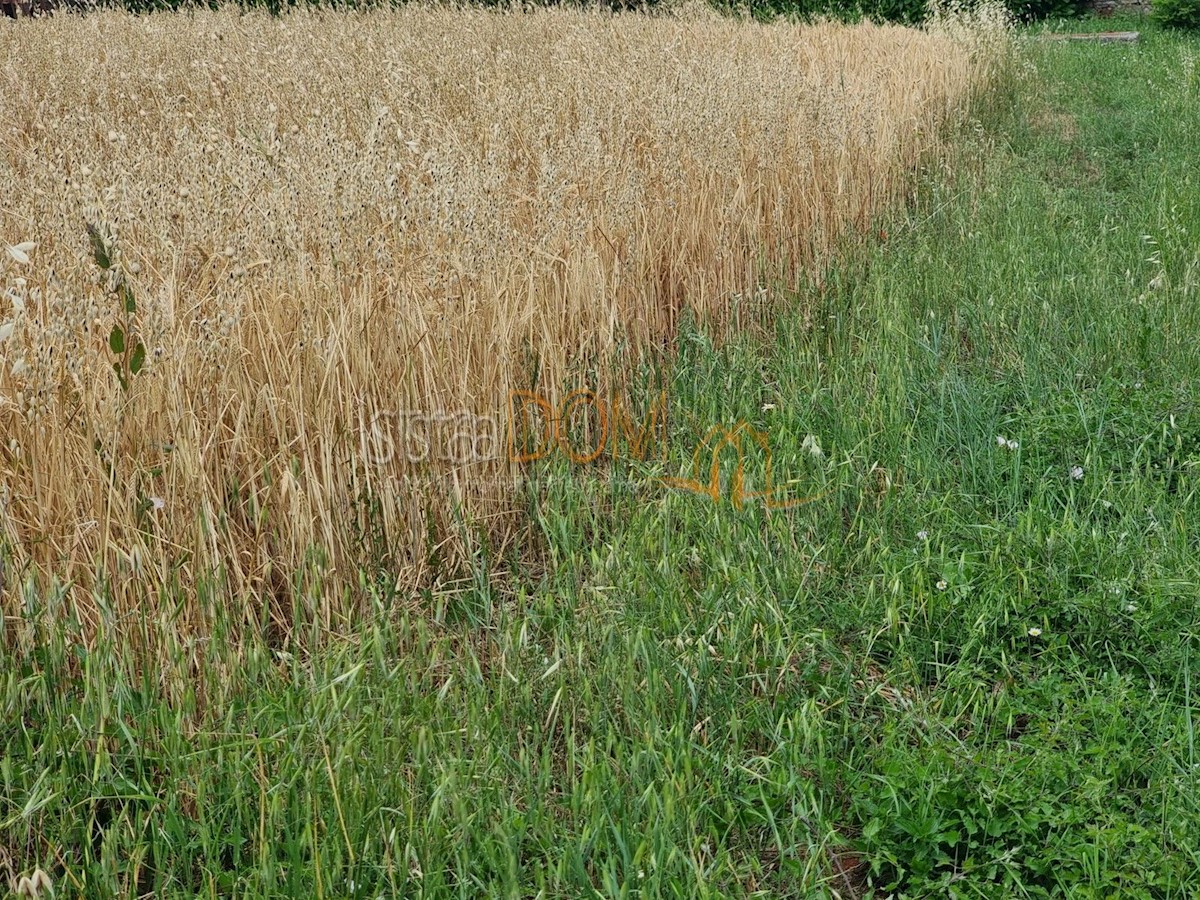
(327, 216)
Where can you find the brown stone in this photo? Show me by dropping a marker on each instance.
(1102, 37)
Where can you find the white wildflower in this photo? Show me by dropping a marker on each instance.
(20, 252)
(767, 407)
(941, 585)
(1035, 632)
(157, 502)
(1077, 473)
(922, 535)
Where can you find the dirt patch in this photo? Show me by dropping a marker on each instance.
(1054, 122)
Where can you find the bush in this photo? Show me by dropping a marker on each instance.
(1032, 10)
(1177, 13)
(908, 12)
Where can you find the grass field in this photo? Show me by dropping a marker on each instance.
(963, 669)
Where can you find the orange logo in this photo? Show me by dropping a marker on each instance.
(536, 429)
(742, 438)
(533, 419)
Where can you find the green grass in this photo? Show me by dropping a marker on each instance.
(683, 698)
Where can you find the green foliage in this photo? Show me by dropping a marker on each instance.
(904, 11)
(1034, 10)
(901, 11)
(1177, 13)
(123, 340)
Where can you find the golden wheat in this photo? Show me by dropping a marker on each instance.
(329, 216)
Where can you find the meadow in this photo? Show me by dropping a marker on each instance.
(963, 317)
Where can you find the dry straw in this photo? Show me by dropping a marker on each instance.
(326, 216)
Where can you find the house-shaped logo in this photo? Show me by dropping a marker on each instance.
(746, 443)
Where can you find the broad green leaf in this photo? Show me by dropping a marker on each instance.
(137, 359)
(99, 250)
(116, 340)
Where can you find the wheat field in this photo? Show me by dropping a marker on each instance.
(327, 217)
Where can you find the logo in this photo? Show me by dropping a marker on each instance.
(536, 431)
(743, 439)
(583, 428)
